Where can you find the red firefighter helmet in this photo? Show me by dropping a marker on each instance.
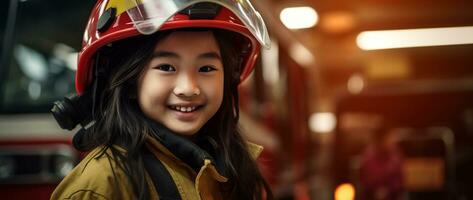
(113, 20)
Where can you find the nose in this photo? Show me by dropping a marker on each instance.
(186, 86)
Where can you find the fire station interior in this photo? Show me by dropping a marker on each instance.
(368, 99)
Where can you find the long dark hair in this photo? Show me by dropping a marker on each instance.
(120, 122)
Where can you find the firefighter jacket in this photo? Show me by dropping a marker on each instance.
(98, 176)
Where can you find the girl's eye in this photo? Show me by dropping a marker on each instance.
(207, 69)
(166, 68)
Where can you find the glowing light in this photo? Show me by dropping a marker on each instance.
(323, 122)
(301, 54)
(338, 21)
(345, 191)
(355, 84)
(389, 39)
(299, 17)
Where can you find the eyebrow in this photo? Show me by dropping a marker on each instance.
(211, 55)
(160, 54)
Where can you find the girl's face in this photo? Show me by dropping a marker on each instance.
(182, 85)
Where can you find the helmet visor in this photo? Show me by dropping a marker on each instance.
(149, 15)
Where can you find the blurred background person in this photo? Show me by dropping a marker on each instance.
(380, 168)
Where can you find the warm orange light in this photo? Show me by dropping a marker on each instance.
(338, 22)
(345, 191)
(355, 84)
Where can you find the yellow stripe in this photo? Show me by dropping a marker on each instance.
(123, 5)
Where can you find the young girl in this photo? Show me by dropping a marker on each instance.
(163, 78)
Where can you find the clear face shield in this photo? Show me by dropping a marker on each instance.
(149, 15)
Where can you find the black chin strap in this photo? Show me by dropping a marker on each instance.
(192, 154)
(162, 180)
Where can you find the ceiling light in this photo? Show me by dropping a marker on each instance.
(389, 39)
(298, 17)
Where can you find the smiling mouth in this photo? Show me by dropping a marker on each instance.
(185, 109)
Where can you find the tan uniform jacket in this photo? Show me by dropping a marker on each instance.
(93, 177)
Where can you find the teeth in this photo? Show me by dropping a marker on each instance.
(183, 108)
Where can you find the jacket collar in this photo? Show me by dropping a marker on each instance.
(185, 150)
(195, 154)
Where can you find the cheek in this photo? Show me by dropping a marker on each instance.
(218, 90)
(150, 91)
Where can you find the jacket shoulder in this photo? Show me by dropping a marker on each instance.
(97, 176)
